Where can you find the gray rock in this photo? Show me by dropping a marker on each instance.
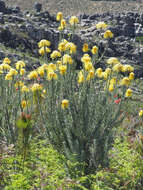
(37, 6)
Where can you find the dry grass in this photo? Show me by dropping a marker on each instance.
(74, 7)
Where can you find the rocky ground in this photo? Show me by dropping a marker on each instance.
(21, 30)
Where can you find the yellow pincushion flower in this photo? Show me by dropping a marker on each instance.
(5, 66)
(22, 72)
(41, 71)
(128, 93)
(24, 89)
(88, 66)
(85, 47)
(51, 75)
(80, 77)
(73, 20)
(63, 24)
(13, 72)
(19, 65)
(55, 54)
(111, 88)
(118, 67)
(91, 75)
(63, 69)
(71, 47)
(44, 50)
(94, 50)
(131, 76)
(108, 34)
(86, 58)
(59, 16)
(67, 59)
(23, 104)
(19, 84)
(6, 60)
(127, 68)
(141, 113)
(36, 87)
(8, 76)
(101, 25)
(125, 81)
(62, 47)
(44, 43)
(113, 61)
(108, 71)
(65, 104)
(33, 75)
(113, 81)
(52, 66)
(99, 72)
(104, 75)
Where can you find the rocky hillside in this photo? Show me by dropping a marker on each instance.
(21, 30)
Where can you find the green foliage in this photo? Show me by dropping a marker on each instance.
(125, 171)
(43, 169)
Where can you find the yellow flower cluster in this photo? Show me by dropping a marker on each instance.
(44, 47)
(101, 25)
(73, 20)
(141, 113)
(65, 104)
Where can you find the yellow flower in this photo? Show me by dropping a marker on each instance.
(55, 54)
(44, 50)
(19, 84)
(23, 104)
(24, 89)
(63, 24)
(6, 60)
(118, 67)
(65, 104)
(88, 66)
(59, 16)
(36, 87)
(86, 58)
(101, 25)
(22, 72)
(59, 62)
(13, 72)
(111, 87)
(73, 20)
(71, 47)
(127, 68)
(63, 69)
(104, 75)
(90, 75)
(62, 46)
(113, 61)
(51, 75)
(128, 93)
(52, 66)
(80, 77)
(108, 34)
(33, 75)
(19, 65)
(40, 71)
(108, 71)
(85, 47)
(99, 72)
(94, 49)
(141, 113)
(44, 43)
(67, 59)
(8, 76)
(113, 80)
(5, 66)
(125, 81)
(131, 76)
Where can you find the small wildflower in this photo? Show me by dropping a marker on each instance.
(128, 93)
(23, 104)
(73, 20)
(94, 50)
(131, 76)
(80, 77)
(108, 34)
(101, 25)
(24, 88)
(125, 81)
(6, 60)
(59, 16)
(85, 47)
(113, 61)
(63, 69)
(44, 43)
(44, 50)
(141, 113)
(55, 54)
(36, 87)
(65, 104)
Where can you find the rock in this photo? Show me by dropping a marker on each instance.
(2, 6)
(37, 6)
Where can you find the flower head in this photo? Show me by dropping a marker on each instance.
(85, 47)
(141, 113)
(65, 104)
(94, 50)
(128, 93)
(101, 25)
(73, 20)
(59, 16)
(6, 60)
(44, 43)
(108, 34)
